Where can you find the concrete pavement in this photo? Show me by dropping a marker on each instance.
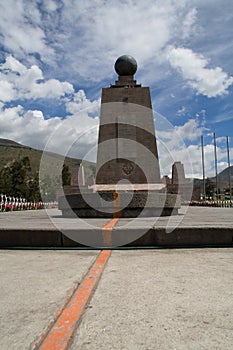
(146, 299)
(34, 286)
(165, 300)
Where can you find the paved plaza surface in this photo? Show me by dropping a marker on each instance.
(146, 299)
(139, 299)
(52, 218)
(193, 226)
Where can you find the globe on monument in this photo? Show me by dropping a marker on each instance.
(126, 65)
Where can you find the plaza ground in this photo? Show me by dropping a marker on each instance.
(146, 299)
(151, 298)
(194, 226)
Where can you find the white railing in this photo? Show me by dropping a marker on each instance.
(223, 203)
(8, 203)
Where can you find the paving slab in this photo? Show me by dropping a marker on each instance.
(44, 218)
(34, 285)
(189, 216)
(161, 299)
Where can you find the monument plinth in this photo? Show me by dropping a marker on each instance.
(127, 157)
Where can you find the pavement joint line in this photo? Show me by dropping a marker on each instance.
(67, 319)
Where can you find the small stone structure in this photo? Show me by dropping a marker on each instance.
(178, 184)
(74, 181)
(178, 176)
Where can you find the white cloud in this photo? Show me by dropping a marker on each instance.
(13, 65)
(182, 143)
(221, 139)
(28, 127)
(32, 129)
(210, 82)
(189, 21)
(181, 112)
(79, 36)
(50, 5)
(191, 130)
(7, 91)
(81, 103)
(191, 157)
(19, 82)
(22, 31)
(175, 137)
(102, 31)
(10, 119)
(195, 155)
(76, 136)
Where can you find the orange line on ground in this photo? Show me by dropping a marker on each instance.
(107, 228)
(107, 232)
(65, 326)
(117, 204)
(55, 317)
(110, 224)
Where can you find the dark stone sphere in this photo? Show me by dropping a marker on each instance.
(126, 65)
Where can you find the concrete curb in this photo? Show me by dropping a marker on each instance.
(181, 236)
(30, 238)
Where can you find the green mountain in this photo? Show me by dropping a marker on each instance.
(11, 150)
(223, 176)
(223, 179)
(6, 142)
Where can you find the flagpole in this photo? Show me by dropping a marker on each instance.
(203, 167)
(229, 164)
(216, 165)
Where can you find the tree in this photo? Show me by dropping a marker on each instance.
(49, 187)
(34, 189)
(5, 181)
(66, 175)
(20, 177)
(209, 188)
(17, 180)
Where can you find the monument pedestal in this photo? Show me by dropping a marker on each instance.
(130, 204)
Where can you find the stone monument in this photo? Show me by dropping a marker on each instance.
(128, 181)
(123, 120)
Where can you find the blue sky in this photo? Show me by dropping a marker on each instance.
(57, 55)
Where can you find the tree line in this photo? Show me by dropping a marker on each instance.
(18, 180)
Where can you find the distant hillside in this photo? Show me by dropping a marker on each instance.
(223, 179)
(10, 143)
(224, 175)
(10, 150)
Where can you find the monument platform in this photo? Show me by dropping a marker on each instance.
(192, 227)
(126, 204)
